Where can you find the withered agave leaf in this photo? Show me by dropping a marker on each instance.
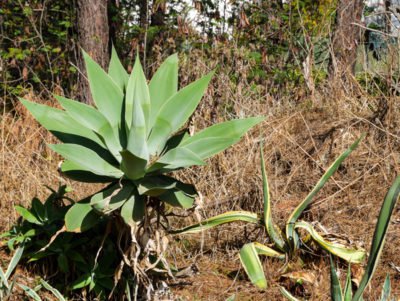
(346, 253)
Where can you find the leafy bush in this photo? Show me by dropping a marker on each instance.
(74, 255)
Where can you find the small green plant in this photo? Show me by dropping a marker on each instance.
(131, 140)
(283, 245)
(73, 255)
(7, 285)
(32, 293)
(378, 242)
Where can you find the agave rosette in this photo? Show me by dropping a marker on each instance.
(283, 245)
(132, 139)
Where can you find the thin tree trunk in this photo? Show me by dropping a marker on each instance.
(346, 37)
(388, 15)
(93, 33)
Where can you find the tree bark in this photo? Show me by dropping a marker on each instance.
(346, 37)
(93, 36)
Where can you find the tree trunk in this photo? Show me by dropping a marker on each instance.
(388, 17)
(93, 35)
(346, 37)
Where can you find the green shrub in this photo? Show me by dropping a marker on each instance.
(132, 140)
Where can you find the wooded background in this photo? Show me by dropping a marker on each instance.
(290, 42)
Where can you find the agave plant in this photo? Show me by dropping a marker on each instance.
(283, 244)
(132, 139)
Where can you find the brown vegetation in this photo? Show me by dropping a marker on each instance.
(301, 137)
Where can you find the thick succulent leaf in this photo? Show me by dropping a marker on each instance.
(84, 114)
(175, 140)
(93, 120)
(116, 71)
(267, 251)
(306, 202)
(386, 290)
(156, 185)
(80, 217)
(163, 85)
(86, 158)
(219, 137)
(336, 288)
(228, 217)
(252, 265)
(133, 210)
(111, 198)
(77, 172)
(272, 229)
(175, 112)
(61, 125)
(107, 96)
(136, 116)
(137, 99)
(177, 198)
(348, 254)
(378, 240)
(132, 166)
(287, 294)
(178, 158)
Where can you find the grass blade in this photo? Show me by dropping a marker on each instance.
(252, 265)
(336, 289)
(304, 204)
(228, 217)
(378, 240)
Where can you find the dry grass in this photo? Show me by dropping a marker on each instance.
(301, 135)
